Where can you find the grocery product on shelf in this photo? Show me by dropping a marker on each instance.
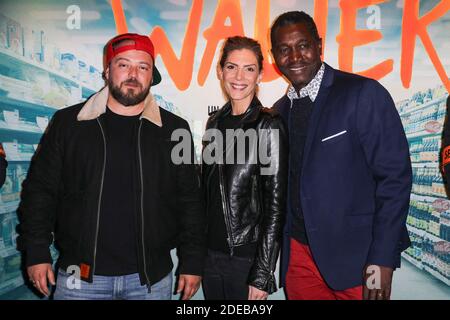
(95, 77)
(8, 222)
(42, 122)
(69, 64)
(28, 43)
(83, 71)
(52, 56)
(14, 36)
(38, 49)
(3, 32)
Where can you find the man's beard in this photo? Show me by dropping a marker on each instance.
(129, 98)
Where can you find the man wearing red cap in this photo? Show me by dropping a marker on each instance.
(103, 186)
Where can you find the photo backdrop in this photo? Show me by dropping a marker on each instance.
(51, 58)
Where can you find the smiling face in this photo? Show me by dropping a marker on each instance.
(240, 76)
(129, 77)
(297, 54)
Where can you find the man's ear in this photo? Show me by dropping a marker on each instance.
(106, 73)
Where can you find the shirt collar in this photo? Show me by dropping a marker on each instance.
(311, 89)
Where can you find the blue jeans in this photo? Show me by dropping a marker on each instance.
(126, 287)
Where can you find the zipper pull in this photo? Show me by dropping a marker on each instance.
(231, 247)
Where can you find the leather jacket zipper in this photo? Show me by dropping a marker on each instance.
(142, 202)
(100, 195)
(226, 212)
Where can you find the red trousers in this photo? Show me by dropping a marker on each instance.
(304, 281)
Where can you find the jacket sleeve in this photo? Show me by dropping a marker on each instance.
(3, 166)
(39, 197)
(386, 150)
(273, 177)
(192, 245)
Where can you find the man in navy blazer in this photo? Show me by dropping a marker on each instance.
(349, 174)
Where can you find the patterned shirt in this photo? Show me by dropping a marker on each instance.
(311, 89)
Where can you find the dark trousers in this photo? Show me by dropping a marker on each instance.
(225, 277)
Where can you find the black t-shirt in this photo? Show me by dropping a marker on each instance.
(300, 115)
(117, 235)
(217, 231)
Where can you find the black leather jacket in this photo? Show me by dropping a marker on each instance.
(254, 201)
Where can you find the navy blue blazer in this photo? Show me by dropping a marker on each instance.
(356, 179)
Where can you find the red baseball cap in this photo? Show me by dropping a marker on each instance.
(134, 41)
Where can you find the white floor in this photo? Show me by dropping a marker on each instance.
(410, 283)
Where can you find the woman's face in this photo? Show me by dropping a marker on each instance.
(240, 75)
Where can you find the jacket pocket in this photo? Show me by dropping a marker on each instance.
(334, 137)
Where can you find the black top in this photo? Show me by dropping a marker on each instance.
(299, 117)
(117, 236)
(217, 231)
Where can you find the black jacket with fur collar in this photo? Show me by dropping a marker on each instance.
(61, 196)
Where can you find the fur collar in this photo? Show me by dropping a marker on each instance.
(96, 106)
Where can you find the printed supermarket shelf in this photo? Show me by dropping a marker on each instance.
(8, 285)
(437, 275)
(413, 261)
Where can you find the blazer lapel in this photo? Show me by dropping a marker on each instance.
(319, 105)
